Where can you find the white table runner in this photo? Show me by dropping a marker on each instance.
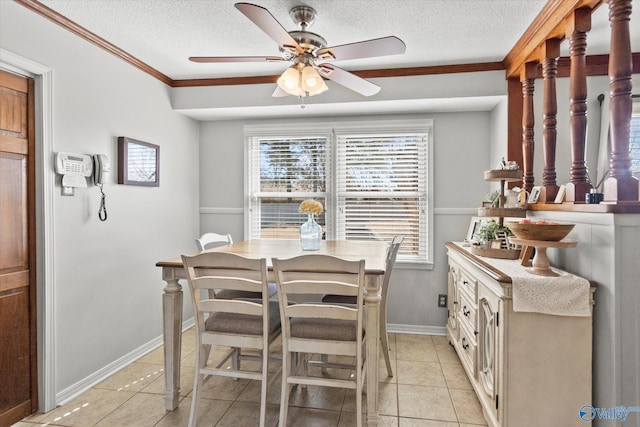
(564, 295)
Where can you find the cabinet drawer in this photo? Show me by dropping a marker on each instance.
(467, 350)
(467, 312)
(467, 284)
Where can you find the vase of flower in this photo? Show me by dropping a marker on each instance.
(310, 231)
(310, 234)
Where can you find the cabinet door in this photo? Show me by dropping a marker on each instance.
(488, 305)
(452, 302)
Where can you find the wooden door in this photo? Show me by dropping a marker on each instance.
(18, 367)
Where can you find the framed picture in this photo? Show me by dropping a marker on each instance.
(496, 244)
(535, 193)
(474, 226)
(138, 162)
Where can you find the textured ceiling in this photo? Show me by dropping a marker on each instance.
(164, 33)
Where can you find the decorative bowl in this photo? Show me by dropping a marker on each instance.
(550, 232)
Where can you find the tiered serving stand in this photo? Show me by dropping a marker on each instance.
(503, 176)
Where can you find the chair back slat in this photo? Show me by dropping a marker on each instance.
(304, 286)
(322, 311)
(230, 306)
(208, 240)
(227, 282)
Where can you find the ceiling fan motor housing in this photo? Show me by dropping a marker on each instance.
(308, 41)
(303, 16)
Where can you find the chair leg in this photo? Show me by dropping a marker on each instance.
(201, 361)
(287, 367)
(264, 389)
(385, 351)
(235, 361)
(384, 338)
(305, 367)
(359, 383)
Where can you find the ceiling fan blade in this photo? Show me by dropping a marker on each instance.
(348, 80)
(267, 23)
(235, 59)
(365, 49)
(279, 93)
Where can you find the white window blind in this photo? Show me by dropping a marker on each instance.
(283, 173)
(373, 178)
(381, 186)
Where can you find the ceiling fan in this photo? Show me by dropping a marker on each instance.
(308, 52)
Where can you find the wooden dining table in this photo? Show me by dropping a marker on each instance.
(373, 252)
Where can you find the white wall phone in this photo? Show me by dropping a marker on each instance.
(102, 170)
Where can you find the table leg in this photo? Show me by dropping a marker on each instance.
(372, 319)
(172, 335)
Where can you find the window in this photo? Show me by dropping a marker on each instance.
(373, 179)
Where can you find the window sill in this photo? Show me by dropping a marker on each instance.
(409, 265)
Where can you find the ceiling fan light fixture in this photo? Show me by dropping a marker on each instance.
(311, 81)
(289, 81)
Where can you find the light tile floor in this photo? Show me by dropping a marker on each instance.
(429, 389)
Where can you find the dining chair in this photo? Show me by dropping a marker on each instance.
(236, 323)
(390, 259)
(207, 239)
(317, 328)
(210, 240)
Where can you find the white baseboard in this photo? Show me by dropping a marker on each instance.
(416, 329)
(85, 384)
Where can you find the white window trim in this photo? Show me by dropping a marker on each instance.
(330, 129)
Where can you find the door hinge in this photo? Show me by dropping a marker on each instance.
(497, 319)
(496, 401)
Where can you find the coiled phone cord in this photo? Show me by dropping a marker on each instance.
(102, 212)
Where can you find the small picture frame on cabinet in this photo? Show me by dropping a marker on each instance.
(534, 195)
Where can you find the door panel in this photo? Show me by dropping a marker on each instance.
(18, 364)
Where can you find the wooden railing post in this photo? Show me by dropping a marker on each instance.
(550, 55)
(527, 77)
(621, 185)
(579, 25)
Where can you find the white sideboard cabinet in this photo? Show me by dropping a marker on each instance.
(526, 368)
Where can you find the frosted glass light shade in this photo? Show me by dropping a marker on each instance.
(312, 82)
(289, 81)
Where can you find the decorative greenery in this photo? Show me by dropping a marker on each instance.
(494, 198)
(489, 231)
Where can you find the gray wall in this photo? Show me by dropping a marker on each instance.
(461, 154)
(107, 290)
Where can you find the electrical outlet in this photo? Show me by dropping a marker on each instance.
(442, 300)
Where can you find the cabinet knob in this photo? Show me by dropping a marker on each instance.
(464, 282)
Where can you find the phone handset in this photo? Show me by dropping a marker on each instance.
(102, 169)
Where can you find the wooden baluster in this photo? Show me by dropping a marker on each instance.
(550, 54)
(621, 185)
(527, 77)
(579, 25)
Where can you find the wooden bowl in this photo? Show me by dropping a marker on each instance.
(544, 232)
